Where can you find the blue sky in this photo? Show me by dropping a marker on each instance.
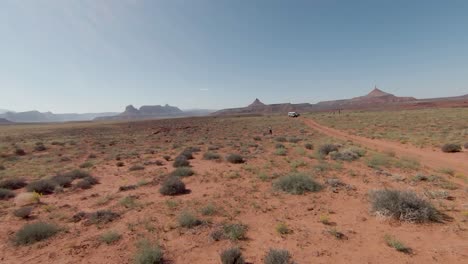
(93, 56)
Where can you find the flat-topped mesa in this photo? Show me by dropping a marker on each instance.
(377, 93)
(256, 103)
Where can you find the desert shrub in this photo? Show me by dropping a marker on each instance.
(120, 164)
(277, 256)
(188, 220)
(348, 154)
(78, 217)
(296, 184)
(208, 210)
(257, 138)
(103, 217)
(167, 157)
(20, 152)
(281, 152)
(92, 156)
(110, 237)
(77, 174)
(86, 164)
(129, 202)
(136, 168)
(403, 205)
(232, 256)
(451, 148)
(6, 194)
(309, 146)
(282, 229)
(127, 188)
(280, 139)
(183, 172)
(172, 186)
(87, 182)
(279, 146)
(235, 158)
(294, 140)
(234, 231)
(2, 167)
(327, 148)
(396, 244)
(41, 186)
(213, 147)
(148, 253)
(466, 145)
(211, 156)
(23, 212)
(62, 180)
(57, 143)
(217, 235)
(181, 161)
(35, 232)
(188, 153)
(379, 160)
(40, 147)
(13, 184)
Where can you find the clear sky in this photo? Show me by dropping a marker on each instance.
(99, 55)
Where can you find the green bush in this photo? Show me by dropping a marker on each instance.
(211, 156)
(188, 220)
(42, 186)
(172, 186)
(23, 212)
(235, 158)
(148, 253)
(208, 210)
(276, 256)
(232, 256)
(13, 184)
(35, 232)
(296, 184)
(403, 205)
(234, 231)
(6, 194)
(181, 161)
(183, 172)
(451, 148)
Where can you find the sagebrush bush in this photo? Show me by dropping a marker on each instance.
(127, 188)
(103, 217)
(309, 146)
(349, 154)
(62, 180)
(232, 256)
(451, 148)
(403, 205)
(2, 167)
(211, 156)
(280, 139)
(281, 152)
(279, 146)
(40, 147)
(296, 184)
(42, 186)
(234, 231)
(110, 237)
(13, 184)
(6, 194)
(20, 152)
(327, 148)
(87, 182)
(188, 153)
(277, 256)
(86, 164)
(181, 161)
(466, 145)
(23, 212)
(208, 210)
(235, 158)
(183, 172)
(136, 168)
(77, 174)
(148, 253)
(172, 186)
(188, 220)
(294, 140)
(35, 232)
(120, 164)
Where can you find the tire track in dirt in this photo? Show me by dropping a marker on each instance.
(427, 157)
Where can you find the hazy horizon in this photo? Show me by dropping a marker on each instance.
(99, 56)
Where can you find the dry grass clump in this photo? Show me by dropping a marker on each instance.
(232, 256)
(6, 194)
(13, 184)
(396, 244)
(102, 217)
(277, 256)
(148, 253)
(327, 148)
(23, 212)
(181, 161)
(296, 184)
(182, 172)
(42, 186)
(110, 237)
(403, 205)
(349, 154)
(87, 182)
(451, 148)
(235, 158)
(188, 220)
(211, 156)
(173, 186)
(35, 232)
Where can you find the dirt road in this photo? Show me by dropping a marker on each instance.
(431, 158)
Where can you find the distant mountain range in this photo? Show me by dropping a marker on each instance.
(154, 111)
(376, 99)
(4, 121)
(4, 111)
(38, 117)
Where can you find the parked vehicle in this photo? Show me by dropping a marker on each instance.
(293, 114)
